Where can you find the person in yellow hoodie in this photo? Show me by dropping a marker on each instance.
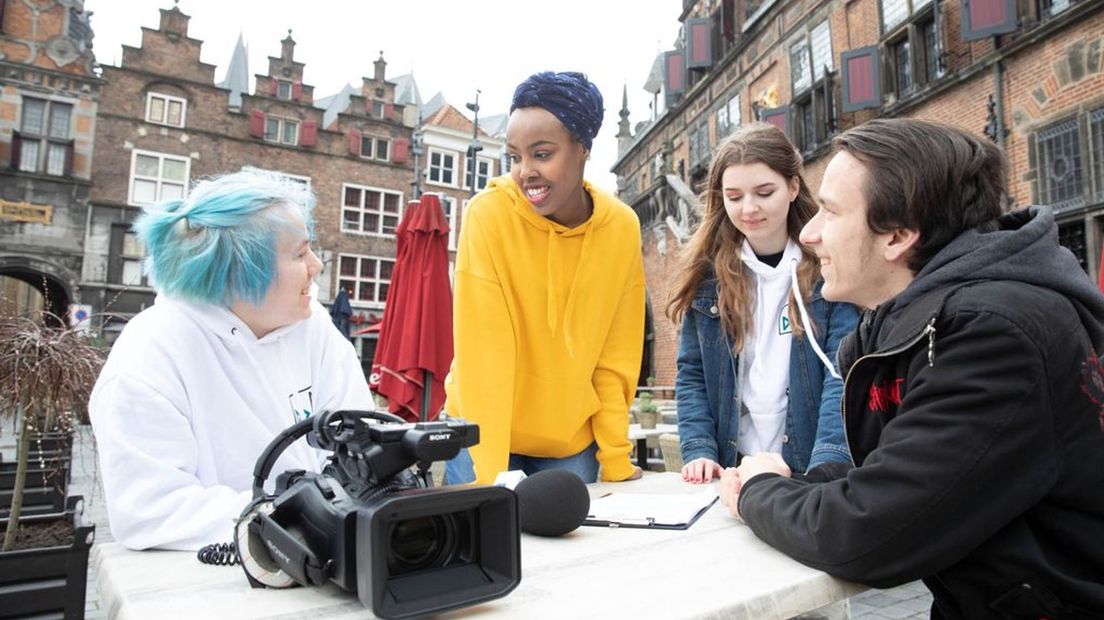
(548, 301)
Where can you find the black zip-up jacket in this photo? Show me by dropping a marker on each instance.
(974, 409)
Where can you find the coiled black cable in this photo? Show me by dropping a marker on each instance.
(219, 554)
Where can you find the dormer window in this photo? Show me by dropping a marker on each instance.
(165, 109)
(284, 90)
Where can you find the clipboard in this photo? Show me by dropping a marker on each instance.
(660, 511)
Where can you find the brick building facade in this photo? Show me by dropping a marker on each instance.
(163, 123)
(446, 137)
(1027, 73)
(49, 93)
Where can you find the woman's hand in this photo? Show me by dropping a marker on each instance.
(701, 471)
(636, 475)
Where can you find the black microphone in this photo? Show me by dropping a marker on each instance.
(552, 502)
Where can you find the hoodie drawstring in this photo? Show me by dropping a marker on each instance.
(550, 272)
(808, 324)
(569, 313)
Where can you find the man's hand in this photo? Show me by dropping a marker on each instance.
(762, 463)
(733, 479)
(701, 471)
(729, 489)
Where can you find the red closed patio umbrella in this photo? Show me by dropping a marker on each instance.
(415, 342)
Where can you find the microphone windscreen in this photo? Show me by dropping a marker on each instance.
(552, 502)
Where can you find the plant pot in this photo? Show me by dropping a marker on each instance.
(48, 581)
(647, 419)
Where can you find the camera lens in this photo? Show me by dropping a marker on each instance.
(421, 543)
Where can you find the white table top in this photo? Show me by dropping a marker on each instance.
(717, 568)
(637, 432)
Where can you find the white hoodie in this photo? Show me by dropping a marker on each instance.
(764, 370)
(188, 400)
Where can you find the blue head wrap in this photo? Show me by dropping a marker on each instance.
(569, 96)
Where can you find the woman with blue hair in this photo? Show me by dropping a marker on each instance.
(548, 300)
(234, 350)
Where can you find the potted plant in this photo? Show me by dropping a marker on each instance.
(46, 376)
(645, 409)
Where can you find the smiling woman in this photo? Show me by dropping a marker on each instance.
(754, 370)
(549, 300)
(234, 351)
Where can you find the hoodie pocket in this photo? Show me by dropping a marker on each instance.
(552, 414)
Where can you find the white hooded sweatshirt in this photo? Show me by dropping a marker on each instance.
(189, 398)
(764, 368)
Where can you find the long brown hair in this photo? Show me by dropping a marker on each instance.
(717, 242)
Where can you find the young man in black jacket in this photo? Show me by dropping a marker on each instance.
(973, 395)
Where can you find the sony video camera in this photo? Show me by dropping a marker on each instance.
(372, 526)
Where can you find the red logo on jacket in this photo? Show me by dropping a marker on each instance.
(884, 396)
(1092, 374)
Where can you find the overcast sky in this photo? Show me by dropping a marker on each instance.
(451, 46)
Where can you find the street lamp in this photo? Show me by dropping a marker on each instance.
(475, 146)
(417, 139)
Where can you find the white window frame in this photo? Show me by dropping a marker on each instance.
(135, 153)
(281, 127)
(490, 171)
(281, 85)
(357, 280)
(164, 120)
(452, 169)
(449, 204)
(132, 259)
(379, 232)
(45, 140)
(375, 142)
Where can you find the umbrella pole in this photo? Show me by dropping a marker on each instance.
(427, 392)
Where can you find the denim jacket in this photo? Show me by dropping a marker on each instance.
(709, 399)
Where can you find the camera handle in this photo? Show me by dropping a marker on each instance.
(322, 425)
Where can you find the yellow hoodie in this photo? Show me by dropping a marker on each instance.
(548, 323)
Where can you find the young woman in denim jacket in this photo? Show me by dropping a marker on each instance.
(757, 343)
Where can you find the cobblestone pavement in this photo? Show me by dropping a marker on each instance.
(910, 601)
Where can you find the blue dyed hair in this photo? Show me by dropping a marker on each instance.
(219, 244)
(569, 96)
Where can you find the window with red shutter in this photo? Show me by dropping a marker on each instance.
(400, 150)
(674, 72)
(699, 43)
(779, 117)
(296, 90)
(862, 86)
(256, 123)
(389, 111)
(987, 18)
(308, 133)
(354, 142)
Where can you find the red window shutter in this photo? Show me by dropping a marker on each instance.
(256, 123)
(400, 150)
(779, 117)
(699, 43)
(354, 142)
(17, 149)
(728, 19)
(308, 133)
(296, 90)
(987, 18)
(273, 86)
(862, 85)
(389, 111)
(674, 72)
